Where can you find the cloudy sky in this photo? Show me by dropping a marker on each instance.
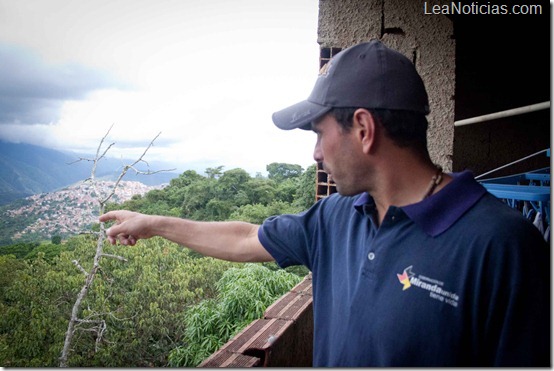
(207, 74)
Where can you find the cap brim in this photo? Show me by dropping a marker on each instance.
(299, 115)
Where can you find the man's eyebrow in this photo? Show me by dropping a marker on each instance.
(315, 124)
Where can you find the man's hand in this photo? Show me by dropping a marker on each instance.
(129, 227)
(233, 241)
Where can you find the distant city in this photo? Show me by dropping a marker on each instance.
(69, 211)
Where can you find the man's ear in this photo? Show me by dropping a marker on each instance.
(365, 126)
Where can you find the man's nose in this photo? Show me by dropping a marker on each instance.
(318, 154)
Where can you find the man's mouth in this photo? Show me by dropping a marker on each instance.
(329, 175)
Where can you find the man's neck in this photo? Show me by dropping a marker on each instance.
(406, 185)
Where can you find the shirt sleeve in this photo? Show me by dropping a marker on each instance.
(517, 317)
(285, 237)
(292, 239)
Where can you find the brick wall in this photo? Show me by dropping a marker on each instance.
(283, 338)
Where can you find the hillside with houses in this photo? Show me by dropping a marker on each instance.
(68, 211)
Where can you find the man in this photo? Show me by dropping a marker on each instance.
(411, 266)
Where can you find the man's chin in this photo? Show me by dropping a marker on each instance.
(348, 192)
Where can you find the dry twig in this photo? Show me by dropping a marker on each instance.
(100, 324)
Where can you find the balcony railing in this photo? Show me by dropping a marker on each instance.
(282, 338)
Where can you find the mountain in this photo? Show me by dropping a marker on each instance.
(26, 170)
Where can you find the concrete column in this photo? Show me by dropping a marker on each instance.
(425, 39)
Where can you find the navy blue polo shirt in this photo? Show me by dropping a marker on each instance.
(459, 279)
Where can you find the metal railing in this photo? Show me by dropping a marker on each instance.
(502, 114)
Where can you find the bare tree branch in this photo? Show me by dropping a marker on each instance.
(149, 172)
(115, 257)
(126, 168)
(98, 157)
(80, 267)
(75, 321)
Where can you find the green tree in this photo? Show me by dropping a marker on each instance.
(185, 179)
(214, 172)
(231, 183)
(280, 171)
(258, 213)
(287, 189)
(145, 304)
(244, 295)
(142, 304)
(305, 196)
(19, 250)
(177, 187)
(260, 191)
(48, 250)
(195, 198)
(33, 315)
(148, 297)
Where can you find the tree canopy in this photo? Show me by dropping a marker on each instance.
(222, 194)
(166, 305)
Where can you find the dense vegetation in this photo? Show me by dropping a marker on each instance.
(232, 194)
(166, 305)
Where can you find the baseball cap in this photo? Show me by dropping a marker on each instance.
(368, 75)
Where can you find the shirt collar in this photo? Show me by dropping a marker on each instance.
(439, 212)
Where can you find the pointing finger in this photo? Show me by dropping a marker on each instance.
(107, 216)
(114, 230)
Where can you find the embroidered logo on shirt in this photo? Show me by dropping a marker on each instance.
(433, 286)
(404, 278)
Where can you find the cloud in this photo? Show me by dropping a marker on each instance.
(207, 74)
(33, 91)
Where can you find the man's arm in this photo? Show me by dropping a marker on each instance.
(233, 241)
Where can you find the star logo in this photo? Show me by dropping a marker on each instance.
(404, 278)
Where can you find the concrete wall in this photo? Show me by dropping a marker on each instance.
(471, 65)
(426, 39)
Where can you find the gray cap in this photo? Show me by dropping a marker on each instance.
(368, 75)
